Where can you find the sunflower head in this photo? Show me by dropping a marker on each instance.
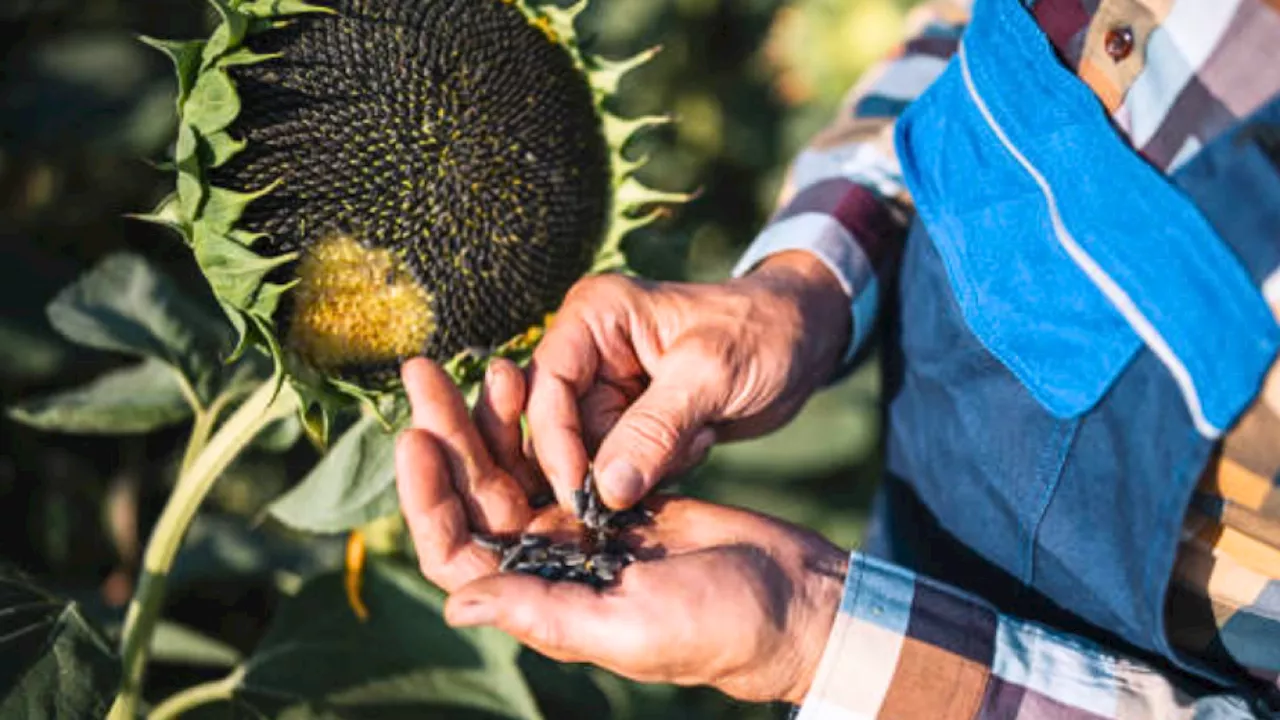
(363, 181)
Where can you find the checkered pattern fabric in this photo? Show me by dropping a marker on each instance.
(1192, 69)
(904, 646)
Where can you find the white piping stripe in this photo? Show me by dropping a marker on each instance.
(1271, 287)
(1118, 297)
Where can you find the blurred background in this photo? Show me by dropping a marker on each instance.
(82, 104)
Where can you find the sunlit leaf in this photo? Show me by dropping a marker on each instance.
(221, 147)
(229, 33)
(234, 271)
(213, 102)
(137, 399)
(185, 55)
(353, 484)
(174, 643)
(280, 435)
(277, 8)
(125, 305)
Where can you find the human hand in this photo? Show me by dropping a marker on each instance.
(718, 596)
(651, 375)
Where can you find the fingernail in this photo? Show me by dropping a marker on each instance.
(492, 376)
(622, 481)
(469, 613)
(703, 441)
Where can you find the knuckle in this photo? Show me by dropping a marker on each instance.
(712, 346)
(587, 288)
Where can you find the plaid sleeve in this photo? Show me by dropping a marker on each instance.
(905, 646)
(844, 200)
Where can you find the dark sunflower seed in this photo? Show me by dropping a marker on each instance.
(510, 557)
(535, 541)
(550, 572)
(542, 500)
(489, 542)
(630, 518)
(602, 562)
(562, 549)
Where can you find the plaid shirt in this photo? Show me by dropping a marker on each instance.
(1173, 74)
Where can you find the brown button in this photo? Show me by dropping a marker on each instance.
(1119, 42)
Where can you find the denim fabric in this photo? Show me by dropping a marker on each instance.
(1066, 496)
(1060, 242)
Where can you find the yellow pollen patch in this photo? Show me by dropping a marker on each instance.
(355, 305)
(544, 24)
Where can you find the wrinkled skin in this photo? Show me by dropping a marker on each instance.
(720, 597)
(648, 376)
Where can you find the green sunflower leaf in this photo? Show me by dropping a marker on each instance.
(185, 55)
(125, 305)
(56, 665)
(224, 208)
(179, 644)
(221, 147)
(234, 271)
(607, 75)
(166, 214)
(240, 324)
(353, 484)
(244, 56)
(228, 35)
(213, 103)
(134, 400)
(319, 661)
(191, 190)
(280, 435)
(268, 299)
(277, 8)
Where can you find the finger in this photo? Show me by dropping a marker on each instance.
(435, 514)
(494, 501)
(695, 452)
(662, 425)
(563, 367)
(568, 622)
(603, 405)
(438, 408)
(497, 417)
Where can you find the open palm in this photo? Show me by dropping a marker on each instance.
(719, 596)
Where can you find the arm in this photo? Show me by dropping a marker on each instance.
(653, 374)
(844, 203)
(904, 646)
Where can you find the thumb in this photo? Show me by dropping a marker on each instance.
(664, 427)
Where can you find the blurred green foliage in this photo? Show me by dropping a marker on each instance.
(82, 103)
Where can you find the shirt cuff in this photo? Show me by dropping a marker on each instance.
(845, 226)
(902, 647)
(908, 646)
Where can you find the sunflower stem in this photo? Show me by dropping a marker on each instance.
(197, 695)
(264, 406)
(206, 419)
